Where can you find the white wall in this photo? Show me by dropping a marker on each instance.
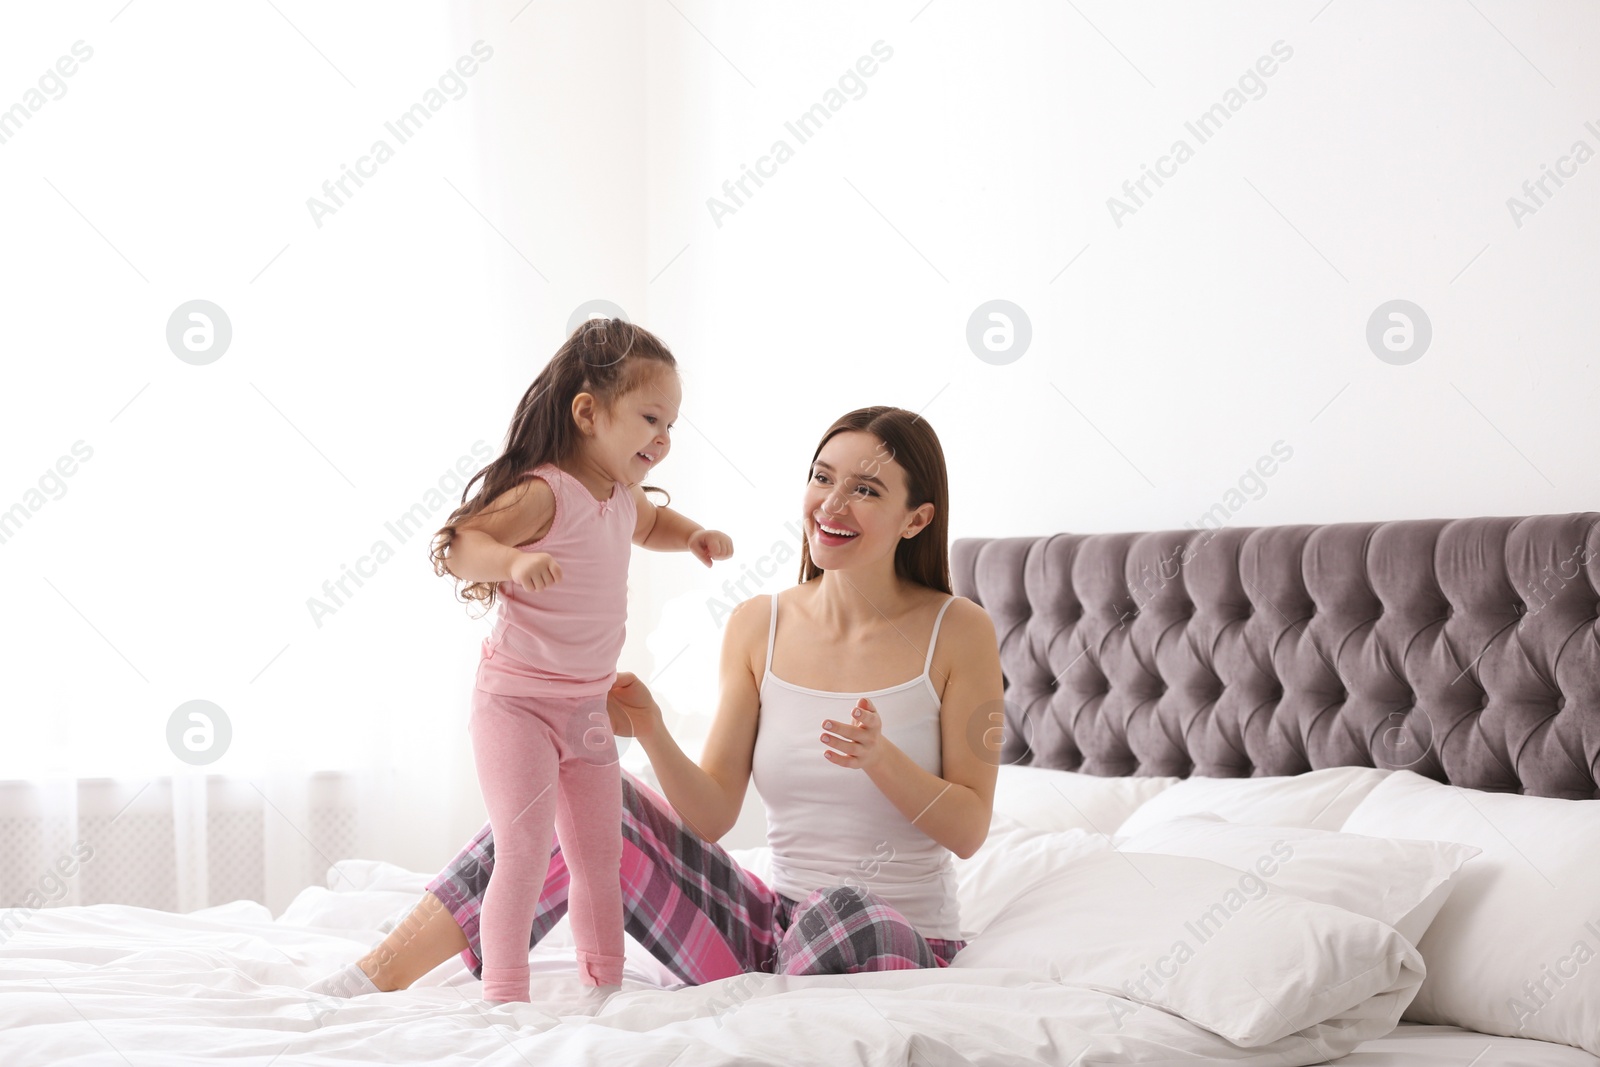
(369, 353)
(1226, 314)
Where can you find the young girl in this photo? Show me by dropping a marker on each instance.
(550, 533)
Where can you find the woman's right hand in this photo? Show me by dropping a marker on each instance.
(534, 571)
(633, 711)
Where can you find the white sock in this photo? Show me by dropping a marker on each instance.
(350, 981)
(592, 999)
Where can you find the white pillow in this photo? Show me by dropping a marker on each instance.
(1319, 800)
(1047, 799)
(1516, 948)
(1401, 883)
(1012, 858)
(757, 859)
(1197, 939)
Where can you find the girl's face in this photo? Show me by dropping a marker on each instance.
(855, 485)
(634, 435)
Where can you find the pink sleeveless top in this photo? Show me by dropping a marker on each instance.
(563, 640)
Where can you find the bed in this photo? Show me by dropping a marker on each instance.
(1351, 768)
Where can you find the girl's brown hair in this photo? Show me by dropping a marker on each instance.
(608, 358)
(925, 557)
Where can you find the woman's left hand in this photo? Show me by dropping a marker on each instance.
(859, 744)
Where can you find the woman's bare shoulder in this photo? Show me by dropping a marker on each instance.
(968, 656)
(746, 633)
(969, 624)
(754, 610)
(961, 606)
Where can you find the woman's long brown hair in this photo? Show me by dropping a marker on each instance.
(911, 442)
(608, 358)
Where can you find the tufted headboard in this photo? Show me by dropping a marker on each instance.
(1467, 650)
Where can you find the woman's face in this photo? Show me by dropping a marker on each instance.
(856, 486)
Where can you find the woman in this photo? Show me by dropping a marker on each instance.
(865, 804)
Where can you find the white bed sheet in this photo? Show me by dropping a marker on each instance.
(111, 984)
(1413, 1045)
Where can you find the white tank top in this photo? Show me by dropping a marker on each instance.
(830, 825)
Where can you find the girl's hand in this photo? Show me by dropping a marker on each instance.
(534, 571)
(633, 711)
(708, 545)
(860, 744)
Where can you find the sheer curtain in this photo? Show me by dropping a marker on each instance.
(222, 509)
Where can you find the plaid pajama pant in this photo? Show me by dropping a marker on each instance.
(689, 903)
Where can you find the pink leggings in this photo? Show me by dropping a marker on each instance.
(519, 744)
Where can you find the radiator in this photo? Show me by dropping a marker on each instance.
(172, 845)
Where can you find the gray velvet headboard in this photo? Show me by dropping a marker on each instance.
(1467, 650)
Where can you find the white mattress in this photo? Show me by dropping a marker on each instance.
(1413, 1045)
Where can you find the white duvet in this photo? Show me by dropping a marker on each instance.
(110, 984)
